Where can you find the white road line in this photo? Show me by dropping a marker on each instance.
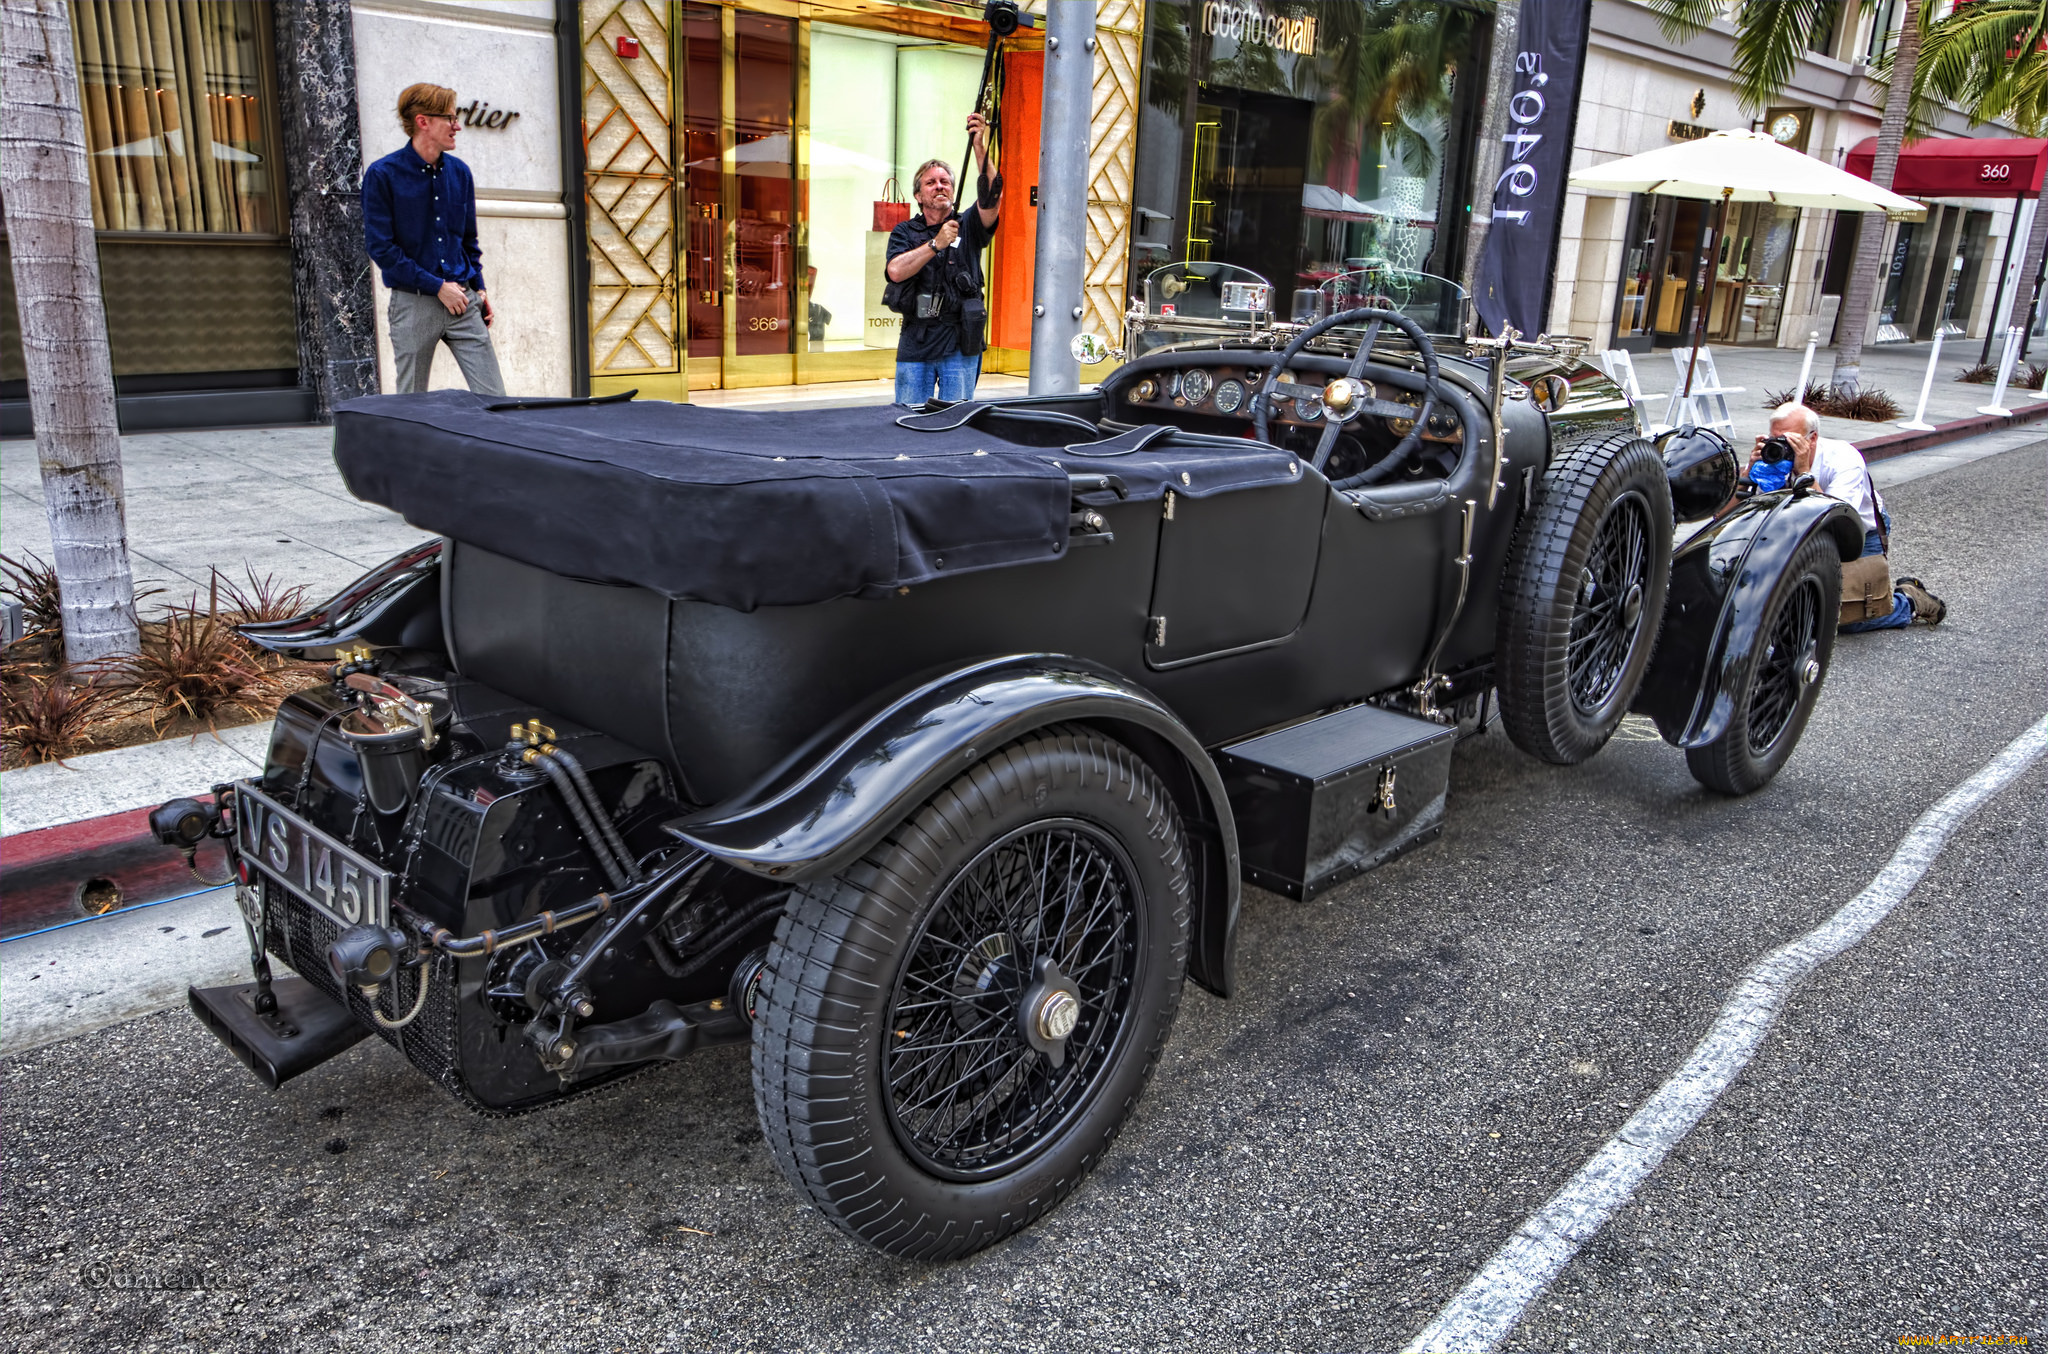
(1488, 1308)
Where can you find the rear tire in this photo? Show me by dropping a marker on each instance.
(1781, 678)
(902, 1086)
(1582, 596)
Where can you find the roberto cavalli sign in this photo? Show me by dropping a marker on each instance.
(1249, 22)
(1528, 196)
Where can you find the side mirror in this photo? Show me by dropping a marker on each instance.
(1089, 349)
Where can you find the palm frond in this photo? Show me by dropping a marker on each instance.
(1770, 38)
(1683, 20)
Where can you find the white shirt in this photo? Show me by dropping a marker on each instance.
(1839, 472)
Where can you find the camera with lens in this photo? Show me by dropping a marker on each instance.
(1772, 468)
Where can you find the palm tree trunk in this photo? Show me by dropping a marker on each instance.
(1891, 136)
(48, 209)
(2030, 267)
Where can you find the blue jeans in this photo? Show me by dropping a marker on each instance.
(954, 374)
(1902, 609)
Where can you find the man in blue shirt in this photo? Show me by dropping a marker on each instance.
(419, 225)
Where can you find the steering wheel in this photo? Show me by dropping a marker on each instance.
(1431, 386)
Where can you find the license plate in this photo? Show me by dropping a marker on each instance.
(310, 865)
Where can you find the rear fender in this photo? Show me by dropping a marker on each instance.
(395, 605)
(1721, 584)
(817, 815)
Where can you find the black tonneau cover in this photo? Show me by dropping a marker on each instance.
(742, 508)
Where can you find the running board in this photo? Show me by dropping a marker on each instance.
(307, 1028)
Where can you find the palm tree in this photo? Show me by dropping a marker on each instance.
(48, 206)
(1987, 59)
(1770, 37)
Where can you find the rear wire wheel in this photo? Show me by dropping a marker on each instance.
(951, 1033)
(1582, 597)
(1779, 681)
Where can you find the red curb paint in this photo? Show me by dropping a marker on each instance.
(40, 871)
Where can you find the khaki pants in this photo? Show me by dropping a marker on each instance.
(419, 322)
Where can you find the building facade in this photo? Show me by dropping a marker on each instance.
(1634, 270)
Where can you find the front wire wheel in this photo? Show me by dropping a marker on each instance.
(1777, 684)
(950, 1034)
(1609, 618)
(1582, 597)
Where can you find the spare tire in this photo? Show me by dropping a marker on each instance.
(1582, 597)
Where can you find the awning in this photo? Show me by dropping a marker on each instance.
(1960, 166)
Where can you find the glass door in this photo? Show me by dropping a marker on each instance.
(739, 78)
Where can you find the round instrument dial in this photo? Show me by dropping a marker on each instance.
(1308, 408)
(1195, 385)
(1144, 390)
(1229, 397)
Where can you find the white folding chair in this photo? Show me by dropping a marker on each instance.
(1706, 405)
(1621, 369)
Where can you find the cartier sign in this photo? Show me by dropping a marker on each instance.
(478, 114)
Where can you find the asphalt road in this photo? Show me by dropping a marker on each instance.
(1416, 1063)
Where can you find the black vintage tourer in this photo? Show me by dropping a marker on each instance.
(927, 751)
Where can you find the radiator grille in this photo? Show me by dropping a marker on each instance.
(300, 937)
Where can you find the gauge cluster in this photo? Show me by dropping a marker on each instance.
(1226, 392)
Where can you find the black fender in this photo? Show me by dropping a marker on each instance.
(395, 605)
(816, 815)
(1721, 581)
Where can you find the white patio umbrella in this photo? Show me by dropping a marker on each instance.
(1743, 166)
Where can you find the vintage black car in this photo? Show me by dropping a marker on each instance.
(927, 751)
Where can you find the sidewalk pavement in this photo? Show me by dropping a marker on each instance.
(1895, 368)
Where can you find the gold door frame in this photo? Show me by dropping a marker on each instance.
(636, 262)
(636, 335)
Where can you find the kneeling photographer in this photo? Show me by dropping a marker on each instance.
(935, 281)
(1871, 598)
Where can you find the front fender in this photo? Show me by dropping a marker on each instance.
(1721, 584)
(395, 605)
(816, 817)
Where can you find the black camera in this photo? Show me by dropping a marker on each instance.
(1775, 448)
(1002, 17)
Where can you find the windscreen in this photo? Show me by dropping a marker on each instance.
(1437, 304)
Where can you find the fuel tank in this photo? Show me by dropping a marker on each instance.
(474, 841)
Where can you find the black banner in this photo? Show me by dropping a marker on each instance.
(1528, 198)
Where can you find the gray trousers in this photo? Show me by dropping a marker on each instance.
(419, 322)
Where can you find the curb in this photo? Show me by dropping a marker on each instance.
(85, 820)
(1887, 445)
(44, 874)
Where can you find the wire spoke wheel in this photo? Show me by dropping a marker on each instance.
(1781, 677)
(1582, 596)
(968, 1093)
(1610, 604)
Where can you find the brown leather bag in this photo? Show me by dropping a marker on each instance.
(1866, 589)
(1867, 582)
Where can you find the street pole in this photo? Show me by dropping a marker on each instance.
(1500, 87)
(1059, 275)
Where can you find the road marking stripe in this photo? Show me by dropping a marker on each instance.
(1490, 1306)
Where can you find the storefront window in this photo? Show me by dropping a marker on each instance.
(1664, 268)
(881, 105)
(1752, 265)
(1305, 140)
(176, 128)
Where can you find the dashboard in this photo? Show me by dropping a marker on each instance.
(1223, 394)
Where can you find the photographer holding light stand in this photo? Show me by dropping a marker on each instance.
(1840, 472)
(934, 270)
